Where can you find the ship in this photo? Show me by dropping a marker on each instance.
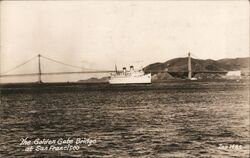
(130, 77)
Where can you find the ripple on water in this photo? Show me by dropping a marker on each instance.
(150, 123)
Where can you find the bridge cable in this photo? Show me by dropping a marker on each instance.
(59, 62)
(16, 67)
(194, 56)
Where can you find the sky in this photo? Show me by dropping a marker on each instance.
(99, 34)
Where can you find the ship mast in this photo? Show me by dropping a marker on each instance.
(189, 67)
(115, 69)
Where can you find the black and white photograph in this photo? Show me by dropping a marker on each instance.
(124, 79)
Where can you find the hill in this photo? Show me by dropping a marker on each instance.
(234, 64)
(178, 67)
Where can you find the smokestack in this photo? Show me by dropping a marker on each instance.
(189, 67)
(124, 70)
(131, 68)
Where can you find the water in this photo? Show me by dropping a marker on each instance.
(175, 120)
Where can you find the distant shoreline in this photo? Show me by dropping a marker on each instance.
(106, 82)
(160, 85)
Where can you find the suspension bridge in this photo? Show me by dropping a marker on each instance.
(39, 72)
(84, 70)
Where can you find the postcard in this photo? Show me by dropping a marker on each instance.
(124, 78)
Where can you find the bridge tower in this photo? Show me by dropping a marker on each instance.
(189, 67)
(39, 69)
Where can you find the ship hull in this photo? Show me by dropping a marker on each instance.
(144, 79)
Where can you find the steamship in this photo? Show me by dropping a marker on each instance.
(130, 77)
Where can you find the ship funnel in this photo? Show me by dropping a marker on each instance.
(124, 70)
(131, 68)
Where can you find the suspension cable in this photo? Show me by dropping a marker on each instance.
(16, 67)
(59, 62)
(193, 55)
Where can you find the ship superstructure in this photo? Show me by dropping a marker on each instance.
(130, 77)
